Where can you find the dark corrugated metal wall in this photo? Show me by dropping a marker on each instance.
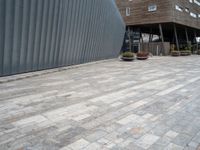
(42, 34)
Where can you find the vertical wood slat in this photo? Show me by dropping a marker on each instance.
(37, 35)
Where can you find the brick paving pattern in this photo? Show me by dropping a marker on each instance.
(153, 104)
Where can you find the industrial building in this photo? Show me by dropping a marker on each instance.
(43, 34)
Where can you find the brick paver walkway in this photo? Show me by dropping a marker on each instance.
(153, 104)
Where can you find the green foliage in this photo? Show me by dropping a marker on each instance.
(190, 47)
(185, 53)
(128, 54)
(172, 47)
(142, 54)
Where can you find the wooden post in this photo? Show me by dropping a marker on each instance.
(176, 37)
(162, 37)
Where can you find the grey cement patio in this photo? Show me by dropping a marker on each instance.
(153, 104)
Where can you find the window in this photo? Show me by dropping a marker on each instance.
(197, 2)
(128, 11)
(193, 15)
(199, 15)
(152, 7)
(179, 8)
(187, 10)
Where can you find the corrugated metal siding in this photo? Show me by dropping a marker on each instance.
(42, 34)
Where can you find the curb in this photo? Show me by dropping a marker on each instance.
(44, 72)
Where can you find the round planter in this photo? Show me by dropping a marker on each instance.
(127, 58)
(142, 58)
(185, 54)
(175, 54)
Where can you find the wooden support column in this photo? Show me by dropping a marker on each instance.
(162, 37)
(176, 37)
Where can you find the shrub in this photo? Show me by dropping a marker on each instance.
(185, 52)
(128, 54)
(172, 47)
(142, 54)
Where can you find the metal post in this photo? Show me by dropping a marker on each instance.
(129, 36)
(176, 37)
(186, 33)
(162, 37)
(195, 35)
(142, 42)
(150, 39)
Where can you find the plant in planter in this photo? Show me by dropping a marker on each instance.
(198, 52)
(185, 53)
(128, 56)
(142, 55)
(172, 47)
(175, 53)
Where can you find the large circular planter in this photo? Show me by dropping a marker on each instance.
(185, 53)
(175, 53)
(142, 58)
(127, 58)
(142, 55)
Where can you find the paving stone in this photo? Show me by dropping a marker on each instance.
(160, 130)
(95, 136)
(93, 146)
(147, 116)
(172, 146)
(81, 117)
(182, 139)
(146, 141)
(171, 134)
(65, 148)
(30, 121)
(128, 119)
(155, 105)
(116, 104)
(78, 145)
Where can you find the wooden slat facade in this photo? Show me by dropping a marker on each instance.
(165, 13)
